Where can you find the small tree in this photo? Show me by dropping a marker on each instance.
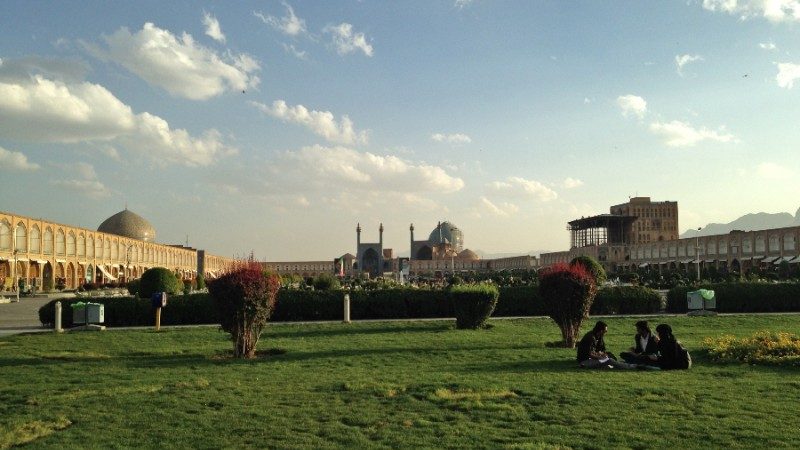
(568, 292)
(159, 279)
(326, 282)
(595, 268)
(245, 298)
(201, 282)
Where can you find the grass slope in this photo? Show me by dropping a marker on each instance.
(387, 385)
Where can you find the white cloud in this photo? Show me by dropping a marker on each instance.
(682, 134)
(773, 171)
(345, 41)
(89, 188)
(504, 209)
(340, 168)
(462, 3)
(290, 24)
(299, 54)
(457, 138)
(84, 180)
(521, 187)
(767, 46)
(571, 183)
(322, 123)
(683, 60)
(632, 104)
(787, 73)
(179, 65)
(11, 161)
(212, 27)
(44, 110)
(773, 10)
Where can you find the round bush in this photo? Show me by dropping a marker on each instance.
(326, 282)
(159, 279)
(473, 304)
(591, 265)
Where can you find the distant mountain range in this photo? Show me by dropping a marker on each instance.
(748, 222)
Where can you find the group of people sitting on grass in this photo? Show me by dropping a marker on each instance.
(650, 352)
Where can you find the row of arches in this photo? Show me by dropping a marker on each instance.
(760, 243)
(59, 242)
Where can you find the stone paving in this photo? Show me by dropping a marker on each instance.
(23, 316)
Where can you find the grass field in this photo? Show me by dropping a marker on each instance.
(389, 385)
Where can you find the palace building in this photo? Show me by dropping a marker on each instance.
(642, 234)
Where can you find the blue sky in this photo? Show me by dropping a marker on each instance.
(277, 126)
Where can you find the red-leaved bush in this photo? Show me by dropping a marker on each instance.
(245, 298)
(567, 292)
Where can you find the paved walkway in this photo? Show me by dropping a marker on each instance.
(24, 316)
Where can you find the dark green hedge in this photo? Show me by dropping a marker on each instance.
(296, 305)
(626, 300)
(743, 297)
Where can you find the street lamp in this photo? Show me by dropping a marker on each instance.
(697, 252)
(127, 261)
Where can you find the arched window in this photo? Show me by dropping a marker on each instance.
(22, 238)
(115, 250)
(681, 250)
(48, 241)
(788, 241)
(107, 247)
(760, 247)
(60, 244)
(747, 245)
(90, 246)
(36, 239)
(5, 235)
(71, 244)
(711, 247)
(774, 243)
(723, 246)
(81, 245)
(98, 248)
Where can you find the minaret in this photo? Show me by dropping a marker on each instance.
(380, 231)
(411, 253)
(358, 236)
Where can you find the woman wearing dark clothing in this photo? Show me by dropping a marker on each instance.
(671, 354)
(645, 344)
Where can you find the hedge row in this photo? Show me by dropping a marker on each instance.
(743, 297)
(295, 305)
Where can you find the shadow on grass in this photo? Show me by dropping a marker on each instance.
(341, 330)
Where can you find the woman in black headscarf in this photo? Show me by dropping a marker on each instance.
(671, 354)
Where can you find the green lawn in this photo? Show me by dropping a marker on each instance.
(389, 385)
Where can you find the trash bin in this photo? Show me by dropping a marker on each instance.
(701, 299)
(87, 312)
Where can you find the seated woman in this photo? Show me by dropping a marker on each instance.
(646, 344)
(671, 354)
(592, 351)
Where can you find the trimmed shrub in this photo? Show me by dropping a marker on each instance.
(626, 300)
(473, 304)
(133, 287)
(568, 292)
(325, 282)
(159, 279)
(743, 297)
(245, 298)
(591, 265)
(519, 301)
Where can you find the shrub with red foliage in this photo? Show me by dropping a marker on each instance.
(245, 298)
(568, 292)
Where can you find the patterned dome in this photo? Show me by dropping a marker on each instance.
(128, 224)
(468, 255)
(447, 233)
